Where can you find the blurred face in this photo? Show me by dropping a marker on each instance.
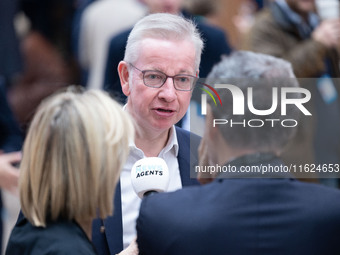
(159, 108)
(301, 6)
(164, 6)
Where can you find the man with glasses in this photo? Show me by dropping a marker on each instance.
(216, 43)
(158, 74)
(156, 79)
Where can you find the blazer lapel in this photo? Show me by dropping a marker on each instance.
(113, 225)
(184, 156)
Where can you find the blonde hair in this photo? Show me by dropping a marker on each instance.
(74, 151)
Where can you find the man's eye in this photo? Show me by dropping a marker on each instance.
(182, 79)
(153, 77)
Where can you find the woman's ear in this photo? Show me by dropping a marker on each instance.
(123, 72)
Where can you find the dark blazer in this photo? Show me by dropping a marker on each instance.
(242, 216)
(107, 235)
(216, 44)
(60, 237)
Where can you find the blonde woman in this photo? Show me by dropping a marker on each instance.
(72, 157)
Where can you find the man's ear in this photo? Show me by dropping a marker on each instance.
(204, 177)
(123, 72)
(211, 131)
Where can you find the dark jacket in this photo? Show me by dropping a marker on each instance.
(60, 237)
(107, 235)
(243, 216)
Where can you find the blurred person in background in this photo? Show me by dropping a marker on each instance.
(100, 21)
(11, 60)
(243, 212)
(48, 60)
(290, 29)
(203, 10)
(72, 157)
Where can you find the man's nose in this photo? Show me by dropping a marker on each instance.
(168, 91)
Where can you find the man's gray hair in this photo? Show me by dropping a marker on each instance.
(163, 26)
(262, 73)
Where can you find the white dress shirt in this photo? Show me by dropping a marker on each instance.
(130, 201)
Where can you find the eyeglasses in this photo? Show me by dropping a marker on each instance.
(156, 79)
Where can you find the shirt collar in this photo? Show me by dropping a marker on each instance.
(171, 144)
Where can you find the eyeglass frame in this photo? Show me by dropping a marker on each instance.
(166, 78)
